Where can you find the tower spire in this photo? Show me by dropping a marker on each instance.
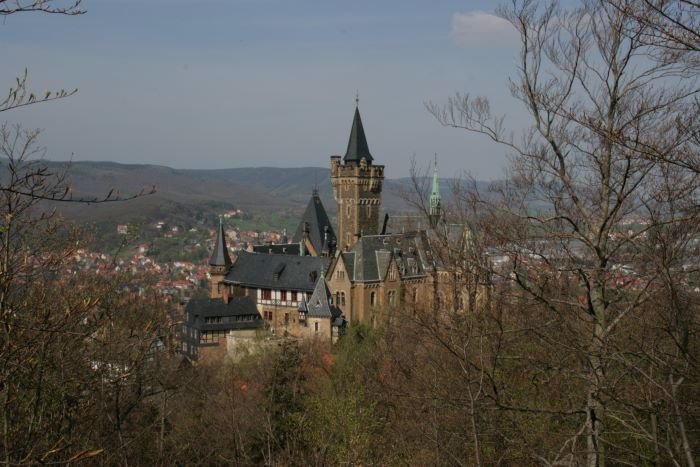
(357, 144)
(435, 199)
(220, 256)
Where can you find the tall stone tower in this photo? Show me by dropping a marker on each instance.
(357, 188)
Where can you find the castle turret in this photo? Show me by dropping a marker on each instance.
(435, 210)
(220, 261)
(357, 188)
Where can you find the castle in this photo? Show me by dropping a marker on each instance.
(324, 279)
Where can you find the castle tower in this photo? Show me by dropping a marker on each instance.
(219, 263)
(357, 188)
(435, 210)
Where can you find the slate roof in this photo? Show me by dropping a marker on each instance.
(319, 304)
(220, 256)
(278, 249)
(282, 272)
(238, 313)
(369, 259)
(357, 145)
(316, 217)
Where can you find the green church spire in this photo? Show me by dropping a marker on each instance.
(435, 200)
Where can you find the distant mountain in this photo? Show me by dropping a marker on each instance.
(184, 192)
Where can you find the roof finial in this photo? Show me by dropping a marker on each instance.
(357, 98)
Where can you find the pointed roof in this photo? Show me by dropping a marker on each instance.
(220, 256)
(357, 145)
(321, 231)
(319, 304)
(435, 199)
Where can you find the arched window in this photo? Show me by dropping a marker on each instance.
(392, 297)
(342, 299)
(373, 298)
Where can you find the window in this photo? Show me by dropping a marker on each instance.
(294, 295)
(212, 336)
(340, 275)
(392, 297)
(348, 209)
(373, 298)
(268, 315)
(342, 299)
(316, 326)
(267, 294)
(283, 295)
(392, 273)
(286, 318)
(415, 296)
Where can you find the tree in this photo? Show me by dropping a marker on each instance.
(671, 30)
(79, 360)
(20, 95)
(600, 154)
(79, 357)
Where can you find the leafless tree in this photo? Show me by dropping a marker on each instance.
(19, 94)
(596, 159)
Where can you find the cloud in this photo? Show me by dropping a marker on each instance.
(480, 29)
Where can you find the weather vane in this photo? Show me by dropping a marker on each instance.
(357, 98)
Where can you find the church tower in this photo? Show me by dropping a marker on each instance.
(219, 263)
(357, 188)
(435, 211)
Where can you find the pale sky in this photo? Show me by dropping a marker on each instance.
(246, 83)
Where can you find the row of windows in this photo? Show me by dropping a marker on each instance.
(391, 296)
(212, 336)
(291, 295)
(228, 319)
(269, 316)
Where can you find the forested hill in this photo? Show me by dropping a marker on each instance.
(262, 189)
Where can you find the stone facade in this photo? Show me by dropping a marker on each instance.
(357, 189)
